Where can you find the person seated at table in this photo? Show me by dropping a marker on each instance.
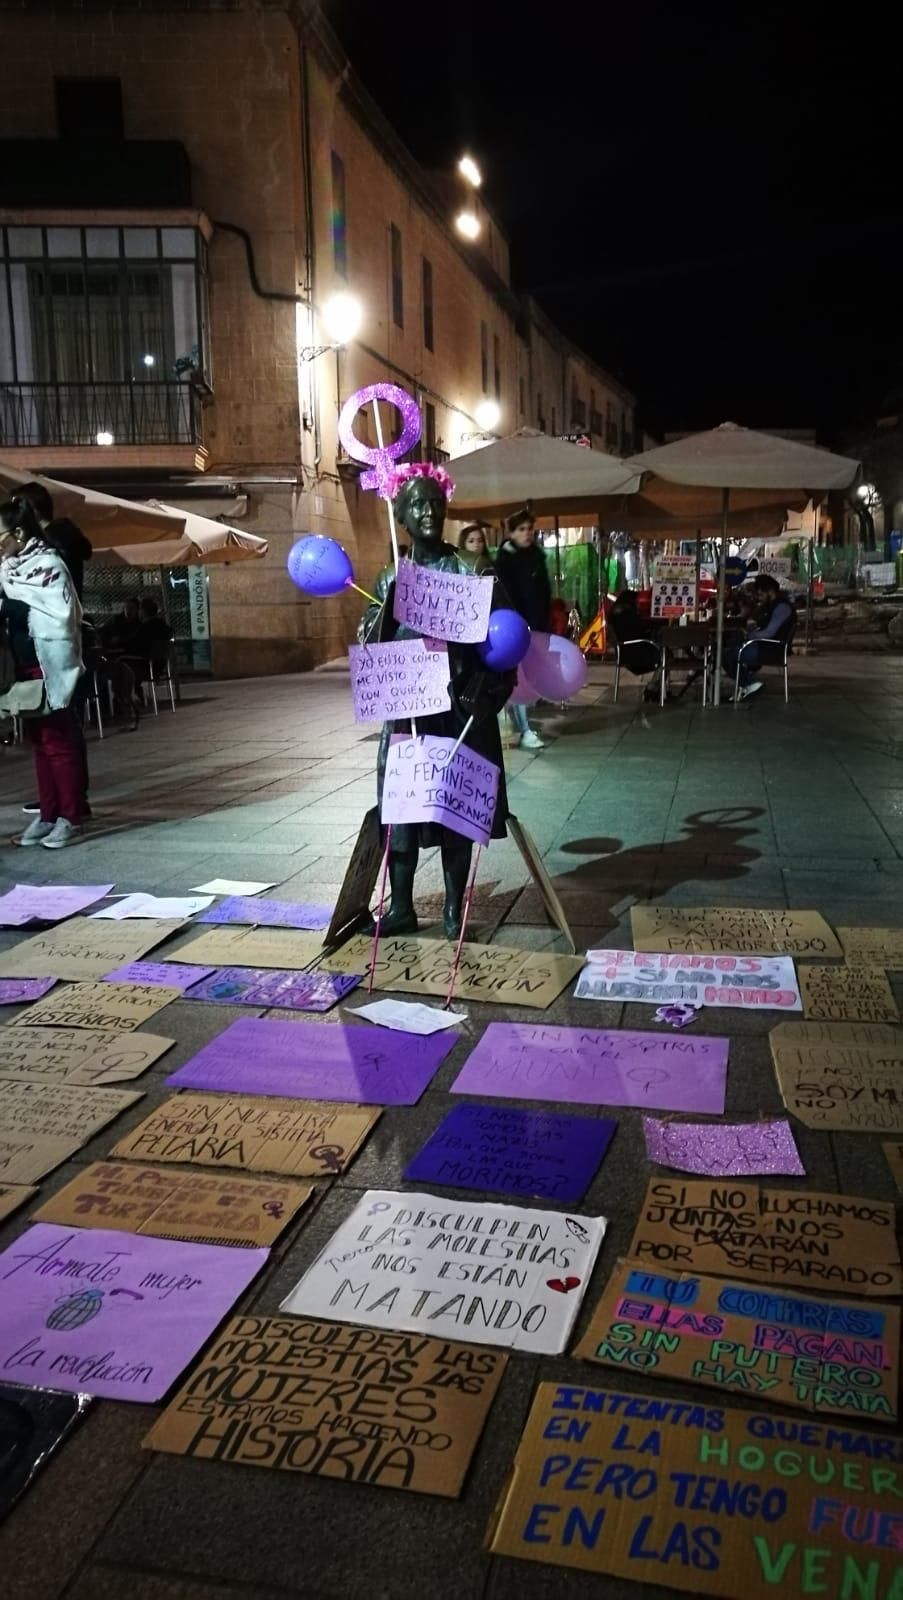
(154, 634)
(775, 619)
(122, 632)
(633, 634)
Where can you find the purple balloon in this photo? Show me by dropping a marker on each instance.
(507, 641)
(553, 666)
(319, 566)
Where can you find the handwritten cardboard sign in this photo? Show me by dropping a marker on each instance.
(893, 1151)
(297, 1138)
(872, 947)
(113, 1314)
(754, 983)
(107, 1007)
(529, 1153)
(12, 1196)
(33, 1424)
(266, 986)
(734, 930)
(815, 1354)
(42, 1124)
(252, 1400)
(494, 973)
(443, 605)
(497, 1274)
(167, 974)
(724, 1149)
(366, 1066)
(841, 1075)
(784, 1237)
(353, 899)
(28, 902)
(848, 994)
(259, 913)
(428, 780)
(78, 1055)
(21, 991)
(285, 948)
(83, 949)
(408, 678)
(203, 1207)
(588, 1066)
(701, 1498)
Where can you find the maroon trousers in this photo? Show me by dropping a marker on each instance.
(58, 766)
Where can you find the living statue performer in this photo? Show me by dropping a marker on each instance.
(421, 493)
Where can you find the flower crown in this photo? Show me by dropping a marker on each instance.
(417, 469)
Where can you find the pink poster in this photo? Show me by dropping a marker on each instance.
(423, 785)
(408, 678)
(443, 605)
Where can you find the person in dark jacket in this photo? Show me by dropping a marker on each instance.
(522, 572)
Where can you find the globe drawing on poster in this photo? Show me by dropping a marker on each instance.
(673, 586)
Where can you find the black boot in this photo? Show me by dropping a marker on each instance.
(401, 916)
(455, 867)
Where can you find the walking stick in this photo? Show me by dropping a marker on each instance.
(466, 913)
(379, 910)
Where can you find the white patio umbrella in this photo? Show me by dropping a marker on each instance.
(554, 476)
(734, 458)
(203, 541)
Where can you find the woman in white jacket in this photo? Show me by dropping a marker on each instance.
(43, 624)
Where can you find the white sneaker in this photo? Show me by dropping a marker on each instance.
(61, 834)
(751, 689)
(531, 741)
(36, 832)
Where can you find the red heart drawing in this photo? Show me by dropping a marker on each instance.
(563, 1285)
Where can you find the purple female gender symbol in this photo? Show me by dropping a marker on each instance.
(383, 458)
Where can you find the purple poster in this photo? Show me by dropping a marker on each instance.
(113, 1314)
(262, 986)
(588, 1066)
(243, 908)
(724, 1149)
(443, 605)
(535, 1154)
(16, 991)
(28, 902)
(408, 678)
(168, 974)
(423, 785)
(364, 1066)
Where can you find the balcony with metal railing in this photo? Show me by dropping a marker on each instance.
(99, 413)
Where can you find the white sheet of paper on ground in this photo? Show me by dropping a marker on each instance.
(758, 983)
(407, 1016)
(151, 905)
(231, 886)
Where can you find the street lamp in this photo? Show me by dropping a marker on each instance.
(104, 437)
(470, 172)
(488, 414)
(468, 224)
(341, 319)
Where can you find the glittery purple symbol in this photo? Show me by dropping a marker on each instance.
(381, 458)
(678, 1014)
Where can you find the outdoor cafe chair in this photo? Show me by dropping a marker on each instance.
(774, 653)
(645, 650)
(159, 673)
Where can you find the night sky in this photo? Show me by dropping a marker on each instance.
(707, 201)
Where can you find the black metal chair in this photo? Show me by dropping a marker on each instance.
(642, 658)
(773, 653)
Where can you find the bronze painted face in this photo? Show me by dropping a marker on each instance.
(421, 508)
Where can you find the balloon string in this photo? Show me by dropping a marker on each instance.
(350, 584)
(458, 743)
(379, 910)
(466, 913)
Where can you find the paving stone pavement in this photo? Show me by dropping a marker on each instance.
(766, 805)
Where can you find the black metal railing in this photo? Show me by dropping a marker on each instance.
(99, 413)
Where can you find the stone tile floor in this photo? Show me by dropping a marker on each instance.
(770, 805)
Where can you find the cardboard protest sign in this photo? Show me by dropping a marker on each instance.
(536, 867)
(265, 986)
(353, 900)
(407, 678)
(12, 1196)
(202, 1207)
(872, 947)
(21, 991)
(756, 983)
(367, 1066)
(814, 1354)
(27, 902)
(848, 994)
(673, 586)
(297, 1138)
(104, 1007)
(83, 949)
(442, 605)
(723, 1149)
(841, 1075)
(588, 1066)
(781, 1236)
(701, 1498)
(491, 972)
(530, 1153)
(429, 780)
(259, 913)
(33, 1423)
(735, 930)
(78, 1055)
(285, 948)
(251, 1400)
(166, 974)
(41, 1125)
(112, 1314)
(894, 1154)
(496, 1274)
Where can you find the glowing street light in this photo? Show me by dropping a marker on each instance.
(342, 316)
(470, 171)
(488, 415)
(104, 437)
(149, 360)
(468, 224)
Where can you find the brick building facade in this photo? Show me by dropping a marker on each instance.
(182, 187)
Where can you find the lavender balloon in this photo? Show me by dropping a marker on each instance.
(507, 641)
(319, 565)
(382, 458)
(553, 666)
